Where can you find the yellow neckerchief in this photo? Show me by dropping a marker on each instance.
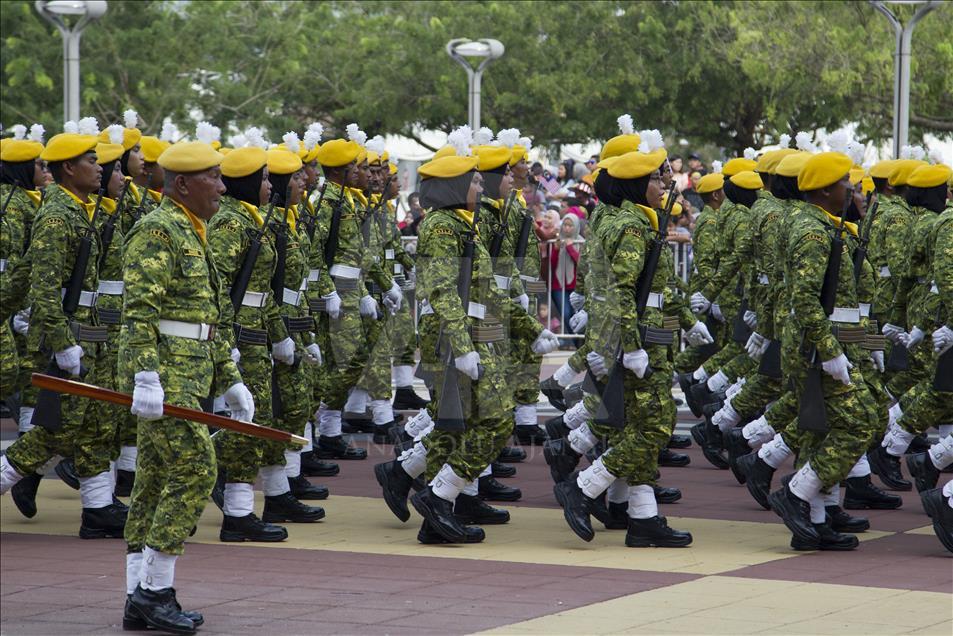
(156, 195)
(650, 214)
(374, 198)
(467, 217)
(35, 196)
(291, 218)
(851, 227)
(109, 205)
(253, 212)
(134, 189)
(521, 198)
(197, 224)
(391, 208)
(90, 206)
(354, 193)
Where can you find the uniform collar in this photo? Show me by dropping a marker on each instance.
(88, 206)
(197, 224)
(252, 211)
(836, 221)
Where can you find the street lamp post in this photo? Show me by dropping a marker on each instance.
(901, 65)
(460, 49)
(55, 11)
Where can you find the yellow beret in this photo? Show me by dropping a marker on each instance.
(792, 164)
(446, 151)
(633, 165)
(190, 156)
(241, 162)
(152, 147)
(822, 170)
(866, 185)
(882, 169)
(216, 144)
(747, 179)
(224, 150)
(738, 164)
(19, 150)
(338, 152)
(492, 157)
(108, 152)
(768, 162)
(393, 168)
(361, 154)
(902, 169)
(130, 137)
(929, 176)
(385, 156)
(518, 153)
(676, 207)
(283, 161)
(619, 145)
(373, 158)
(67, 146)
(312, 155)
(710, 183)
(447, 167)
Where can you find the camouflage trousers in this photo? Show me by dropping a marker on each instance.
(291, 406)
(925, 407)
(920, 368)
(240, 456)
(9, 361)
(524, 370)
(344, 347)
(693, 357)
(650, 415)
(102, 420)
(375, 378)
(759, 390)
(403, 333)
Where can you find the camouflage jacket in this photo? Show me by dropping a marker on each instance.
(704, 249)
(141, 203)
(766, 213)
(110, 261)
(889, 241)
(15, 227)
(943, 266)
(912, 295)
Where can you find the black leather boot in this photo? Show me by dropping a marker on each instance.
(919, 444)
(938, 509)
(66, 470)
(736, 446)
(160, 610)
(399, 437)
(887, 468)
(618, 516)
(530, 435)
(841, 521)
(556, 428)
(502, 470)
(311, 466)
(758, 475)
(439, 512)
(666, 495)
(218, 490)
(382, 432)
(679, 441)
(561, 458)
(132, 620)
(125, 479)
(250, 528)
(396, 484)
(644, 533)
(336, 448)
(428, 536)
(829, 540)
(511, 455)
(694, 392)
(103, 523)
(576, 507)
(284, 507)
(711, 450)
(862, 494)
(492, 490)
(554, 393)
(671, 459)
(406, 399)
(924, 473)
(795, 512)
(24, 494)
(471, 509)
(304, 490)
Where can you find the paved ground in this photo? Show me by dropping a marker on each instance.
(362, 572)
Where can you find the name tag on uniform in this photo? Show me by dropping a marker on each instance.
(476, 310)
(389, 254)
(503, 282)
(885, 272)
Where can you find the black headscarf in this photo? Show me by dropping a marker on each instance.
(247, 189)
(604, 187)
(107, 175)
(19, 174)
(124, 161)
(740, 196)
(853, 212)
(933, 199)
(785, 188)
(492, 180)
(633, 190)
(438, 193)
(279, 188)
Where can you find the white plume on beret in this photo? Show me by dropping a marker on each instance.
(508, 137)
(803, 142)
(19, 131)
(36, 132)
(750, 153)
(71, 127)
(526, 142)
(88, 126)
(913, 152)
(376, 144)
(205, 132)
(482, 137)
(115, 133)
(169, 132)
(461, 139)
(936, 155)
(130, 118)
(856, 152)
(838, 141)
(255, 137)
(238, 141)
(716, 166)
(354, 133)
(312, 136)
(651, 140)
(626, 125)
(785, 140)
(292, 142)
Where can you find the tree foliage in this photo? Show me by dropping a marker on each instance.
(728, 73)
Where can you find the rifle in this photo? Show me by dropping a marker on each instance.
(860, 254)
(611, 409)
(81, 389)
(109, 227)
(450, 416)
(309, 227)
(812, 414)
(281, 249)
(240, 284)
(496, 245)
(334, 232)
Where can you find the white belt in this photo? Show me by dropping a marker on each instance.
(346, 271)
(476, 310)
(192, 330)
(255, 299)
(3, 264)
(389, 254)
(655, 300)
(314, 275)
(762, 279)
(304, 284)
(290, 297)
(865, 310)
(529, 279)
(503, 282)
(425, 308)
(111, 287)
(845, 314)
(86, 298)
(885, 272)
(601, 299)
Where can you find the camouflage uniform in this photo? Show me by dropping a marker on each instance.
(525, 363)
(399, 263)
(169, 274)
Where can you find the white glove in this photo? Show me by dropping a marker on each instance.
(312, 354)
(942, 340)
(838, 368)
(235, 355)
(912, 339)
(393, 298)
(368, 307)
(726, 418)
(735, 389)
(699, 303)
(284, 351)
(523, 301)
(750, 319)
(893, 333)
(756, 345)
(333, 305)
(468, 364)
(878, 360)
(68, 359)
(636, 361)
(579, 320)
(597, 363)
(240, 402)
(148, 396)
(577, 300)
(699, 335)
(716, 312)
(545, 342)
(21, 321)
